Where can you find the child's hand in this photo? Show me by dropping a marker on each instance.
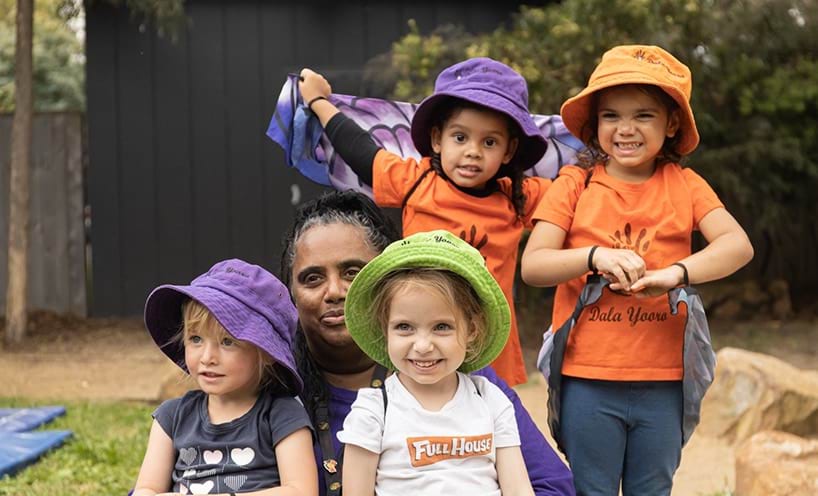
(657, 282)
(621, 267)
(313, 85)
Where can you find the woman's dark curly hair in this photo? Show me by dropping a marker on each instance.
(514, 171)
(593, 153)
(345, 207)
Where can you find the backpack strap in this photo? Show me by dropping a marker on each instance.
(333, 462)
(414, 187)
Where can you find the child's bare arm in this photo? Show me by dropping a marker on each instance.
(728, 250)
(155, 474)
(546, 263)
(511, 472)
(360, 467)
(312, 86)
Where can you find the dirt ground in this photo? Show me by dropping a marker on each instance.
(68, 358)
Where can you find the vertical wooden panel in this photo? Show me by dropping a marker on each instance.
(174, 197)
(43, 228)
(211, 180)
(56, 265)
(383, 25)
(137, 162)
(311, 26)
(242, 87)
(347, 38)
(75, 214)
(102, 69)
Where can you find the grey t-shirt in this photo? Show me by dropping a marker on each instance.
(237, 456)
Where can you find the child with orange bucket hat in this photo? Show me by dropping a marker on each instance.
(619, 403)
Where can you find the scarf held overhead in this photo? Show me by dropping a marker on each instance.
(299, 133)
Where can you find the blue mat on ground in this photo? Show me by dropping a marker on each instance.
(26, 419)
(18, 447)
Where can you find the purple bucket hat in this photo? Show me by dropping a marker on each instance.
(489, 83)
(249, 302)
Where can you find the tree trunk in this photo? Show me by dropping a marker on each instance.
(17, 290)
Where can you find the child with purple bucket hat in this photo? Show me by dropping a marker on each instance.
(477, 138)
(243, 431)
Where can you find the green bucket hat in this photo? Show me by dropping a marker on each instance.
(436, 250)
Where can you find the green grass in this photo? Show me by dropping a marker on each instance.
(102, 457)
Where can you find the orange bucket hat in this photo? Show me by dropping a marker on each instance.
(636, 64)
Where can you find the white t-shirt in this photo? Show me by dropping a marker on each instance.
(451, 451)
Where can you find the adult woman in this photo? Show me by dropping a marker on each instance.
(331, 239)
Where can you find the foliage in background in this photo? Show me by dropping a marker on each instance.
(58, 51)
(755, 93)
(102, 457)
(59, 61)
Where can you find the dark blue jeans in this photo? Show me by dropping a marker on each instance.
(622, 431)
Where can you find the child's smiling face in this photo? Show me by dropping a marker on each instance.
(473, 144)
(631, 127)
(426, 339)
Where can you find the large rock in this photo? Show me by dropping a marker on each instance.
(774, 463)
(753, 392)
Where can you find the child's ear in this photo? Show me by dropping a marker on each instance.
(436, 136)
(673, 124)
(471, 336)
(511, 150)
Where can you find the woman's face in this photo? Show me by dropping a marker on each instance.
(327, 258)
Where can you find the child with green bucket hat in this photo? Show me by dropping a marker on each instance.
(428, 309)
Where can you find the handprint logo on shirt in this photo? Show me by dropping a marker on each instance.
(623, 240)
(472, 239)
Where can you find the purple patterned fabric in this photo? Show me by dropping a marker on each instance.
(306, 148)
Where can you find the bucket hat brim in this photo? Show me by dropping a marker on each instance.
(163, 319)
(576, 111)
(367, 332)
(531, 147)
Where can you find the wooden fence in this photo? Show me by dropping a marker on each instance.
(57, 241)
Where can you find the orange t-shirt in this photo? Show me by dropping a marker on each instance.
(623, 337)
(489, 223)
